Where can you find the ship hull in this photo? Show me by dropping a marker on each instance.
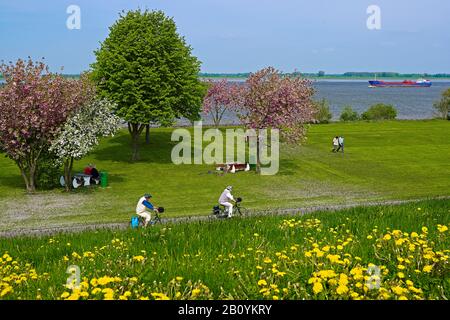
(407, 84)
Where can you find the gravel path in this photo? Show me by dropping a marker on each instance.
(124, 225)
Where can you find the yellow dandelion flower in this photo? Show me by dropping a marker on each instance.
(342, 289)
(138, 258)
(317, 287)
(427, 268)
(262, 282)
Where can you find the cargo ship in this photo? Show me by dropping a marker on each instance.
(405, 83)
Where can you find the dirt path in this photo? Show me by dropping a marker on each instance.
(124, 225)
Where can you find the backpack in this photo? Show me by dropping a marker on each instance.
(134, 222)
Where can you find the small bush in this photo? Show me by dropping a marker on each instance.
(48, 172)
(323, 113)
(442, 106)
(348, 114)
(380, 112)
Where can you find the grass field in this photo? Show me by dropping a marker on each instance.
(383, 160)
(385, 252)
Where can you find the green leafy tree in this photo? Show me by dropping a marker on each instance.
(81, 132)
(380, 111)
(348, 114)
(442, 106)
(148, 70)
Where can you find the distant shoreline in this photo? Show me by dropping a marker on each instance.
(244, 76)
(235, 77)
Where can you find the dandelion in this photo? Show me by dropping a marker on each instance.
(267, 260)
(317, 288)
(398, 290)
(138, 258)
(262, 282)
(342, 289)
(427, 268)
(442, 229)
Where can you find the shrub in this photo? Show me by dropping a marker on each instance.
(48, 171)
(442, 106)
(348, 114)
(322, 113)
(380, 112)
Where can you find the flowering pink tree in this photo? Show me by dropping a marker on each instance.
(34, 104)
(219, 98)
(271, 100)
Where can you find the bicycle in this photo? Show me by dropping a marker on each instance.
(154, 220)
(221, 212)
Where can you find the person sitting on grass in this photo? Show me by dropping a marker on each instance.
(142, 206)
(95, 175)
(88, 169)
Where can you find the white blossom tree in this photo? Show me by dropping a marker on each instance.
(81, 132)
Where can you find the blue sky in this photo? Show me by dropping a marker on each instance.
(246, 35)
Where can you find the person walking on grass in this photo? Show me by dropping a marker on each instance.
(341, 144)
(335, 144)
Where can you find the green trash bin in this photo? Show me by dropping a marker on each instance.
(104, 179)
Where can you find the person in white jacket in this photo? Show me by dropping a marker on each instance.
(225, 199)
(142, 206)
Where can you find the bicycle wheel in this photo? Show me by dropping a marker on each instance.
(242, 211)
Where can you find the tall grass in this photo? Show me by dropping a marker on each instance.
(230, 257)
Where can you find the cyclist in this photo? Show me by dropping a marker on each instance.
(225, 199)
(142, 206)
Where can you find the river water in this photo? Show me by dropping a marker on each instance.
(411, 103)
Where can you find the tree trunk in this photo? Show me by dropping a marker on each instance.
(68, 165)
(29, 178)
(147, 134)
(135, 130)
(26, 180)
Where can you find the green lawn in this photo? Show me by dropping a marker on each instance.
(383, 160)
(324, 255)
